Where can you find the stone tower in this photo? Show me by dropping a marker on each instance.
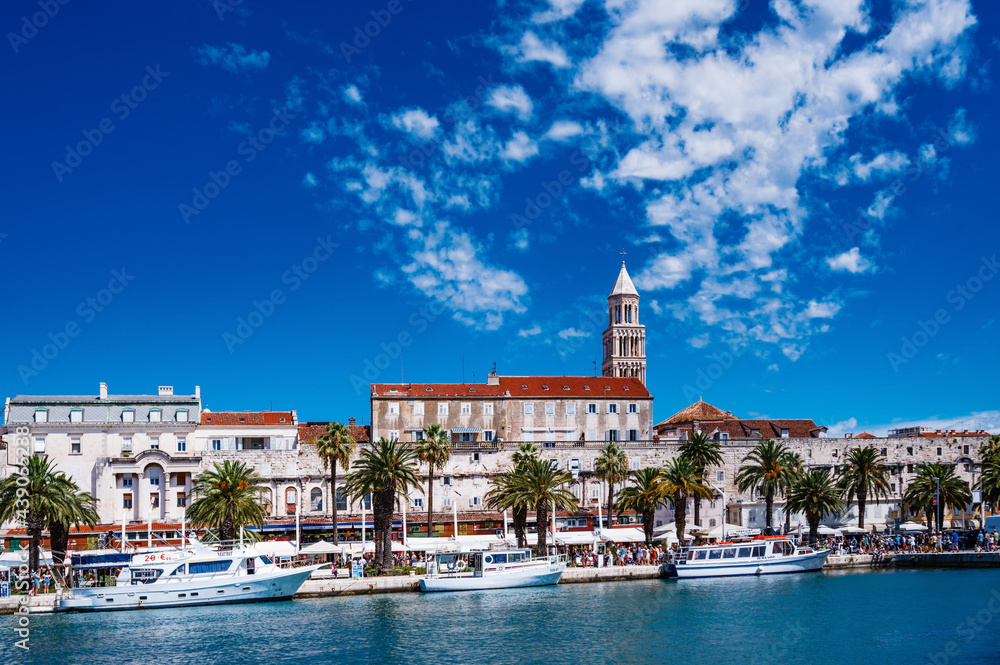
(625, 338)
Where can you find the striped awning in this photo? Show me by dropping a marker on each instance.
(466, 430)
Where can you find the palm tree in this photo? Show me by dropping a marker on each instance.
(537, 483)
(703, 452)
(336, 446)
(502, 496)
(793, 467)
(762, 471)
(645, 497)
(989, 481)
(385, 471)
(923, 490)
(864, 475)
(434, 451)
(47, 499)
(816, 494)
(611, 465)
(681, 481)
(226, 498)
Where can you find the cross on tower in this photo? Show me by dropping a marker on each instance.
(623, 253)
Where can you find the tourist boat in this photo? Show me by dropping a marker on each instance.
(764, 555)
(499, 569)
(196, 575)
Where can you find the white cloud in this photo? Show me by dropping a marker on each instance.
(985, 420)
(844, 426)
(232, 57)
(405, 218)
(511, 98)
(773, 367)
(309, 181)
(558, 10)
(886, 162)
(520, 148)
(352, 94)
(533, 49)
(699, 341)
(313, 134)
(417, 122)
(521, 240)
(564, 129)
(530, 332)
(571, 333)
(960, 130)
(850, 261)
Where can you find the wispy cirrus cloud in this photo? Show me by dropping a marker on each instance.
(232, 57)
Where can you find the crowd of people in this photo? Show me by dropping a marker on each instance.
(880, 545)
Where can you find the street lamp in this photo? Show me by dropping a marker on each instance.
(937, 501)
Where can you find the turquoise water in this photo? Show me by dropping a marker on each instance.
(851, 617)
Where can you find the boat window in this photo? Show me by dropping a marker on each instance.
(729, 553)
(715, 554)
(208, 567)
(744, 552)
(489, 558)
(789, 548)
(145, 575)
(776, 548)
(266, 560)
(758, 550)
(500, 558)
(700, 554)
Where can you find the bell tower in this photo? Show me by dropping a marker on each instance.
(625, 338)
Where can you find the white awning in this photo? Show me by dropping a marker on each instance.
(577, 538)
(465, 430)
(321, 547)
(276, 548)
(624, 535)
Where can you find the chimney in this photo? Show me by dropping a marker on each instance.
(166, 390)
(350, 422)
(492, 379)
(104, 391)
(197, 392)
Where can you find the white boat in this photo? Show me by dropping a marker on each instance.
(194, 576)
(500, 569)
(764, 555)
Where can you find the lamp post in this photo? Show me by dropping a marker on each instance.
(454, 514)
(937, 501)
(724, 510)
(149, 530)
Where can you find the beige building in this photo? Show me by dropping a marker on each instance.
(625, 338)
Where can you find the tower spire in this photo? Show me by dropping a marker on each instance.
(625, 338)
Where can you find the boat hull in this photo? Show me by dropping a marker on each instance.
(549, 575)
(243, 589)
(780, 565)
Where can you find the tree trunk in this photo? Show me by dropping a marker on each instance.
(680, 516)
(813, 527)
(647, 525)
(227, 532)
(333, 498)
(862, 500)
(769, 507)
(697, 510)
(58, 542)
(520, 526)
(541, 518)
(430, 500)
(35, 524)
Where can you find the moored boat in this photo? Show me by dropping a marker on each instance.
(764, 555)
(499, 569)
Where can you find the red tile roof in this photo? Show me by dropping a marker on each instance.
(766, 429)
(309, 432)
(865, 435)
(246, 418)
(520, 386)
(698, 411)
(953, 433)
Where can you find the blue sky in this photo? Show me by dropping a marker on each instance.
(803, 190)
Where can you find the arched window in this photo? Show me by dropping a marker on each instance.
(290, 501)
(316, 499)
(265, 500)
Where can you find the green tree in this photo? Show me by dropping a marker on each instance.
(538, 483)
(702, 451)
(762, 472)
(864, 475)
(922, 491)
(434, 451)
(502, 496)
(681, 481)
(815, 494)
(793, 467)
(226, 498)
(611, 465)
(386, 471)
(989, 481)
(40, 497)
(336, 447)
(645, 496)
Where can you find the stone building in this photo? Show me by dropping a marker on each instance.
(625, 338)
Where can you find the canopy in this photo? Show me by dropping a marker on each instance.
(461, 544)
(578, 538)
(369, 546)
(824, 530)
(671, 529)
(732, 530)
(276, 548)
(12, 559)
(321, 547)
(624, 535)
(912, 526)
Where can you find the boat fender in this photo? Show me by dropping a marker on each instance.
(499, 569)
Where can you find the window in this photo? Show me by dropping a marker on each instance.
(965, 450)
(884, 450)
(208, 567)
(155, 415)
(477, 480)
(446, 480)
(487, 408)
(835, 453)
(909, 451)
(126, 444)
(181, 444)
(720, 476)
(724, 436)
(465, 437)
(394, 434)
(633, 408)
(476, 458)
(939, 452)
(41, 415)
(612, 408)
(154, 479)
(216, 444)
(128, 415)
(633, 435)
(316, 499)
(418, 435)
(466, 409)
(181, 415)
(341, 500)
(612, 435)
(755, 432)
(127, 500)
(154, 499)
(591, 408)
(154, 443)
(892, 487)
(784, 433)
(74, 445)
(442, 408)
(446, 502)
(76, 416)
(393, 408)
(418, 502)
(634, 463)
(488, 435)
(475, 501)
(126, 481)
(595, 492)
(591, 435)
(571, 408)
(529, 409)
(181, 500)
(909, 468)
(418, 408)
(550, 408)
